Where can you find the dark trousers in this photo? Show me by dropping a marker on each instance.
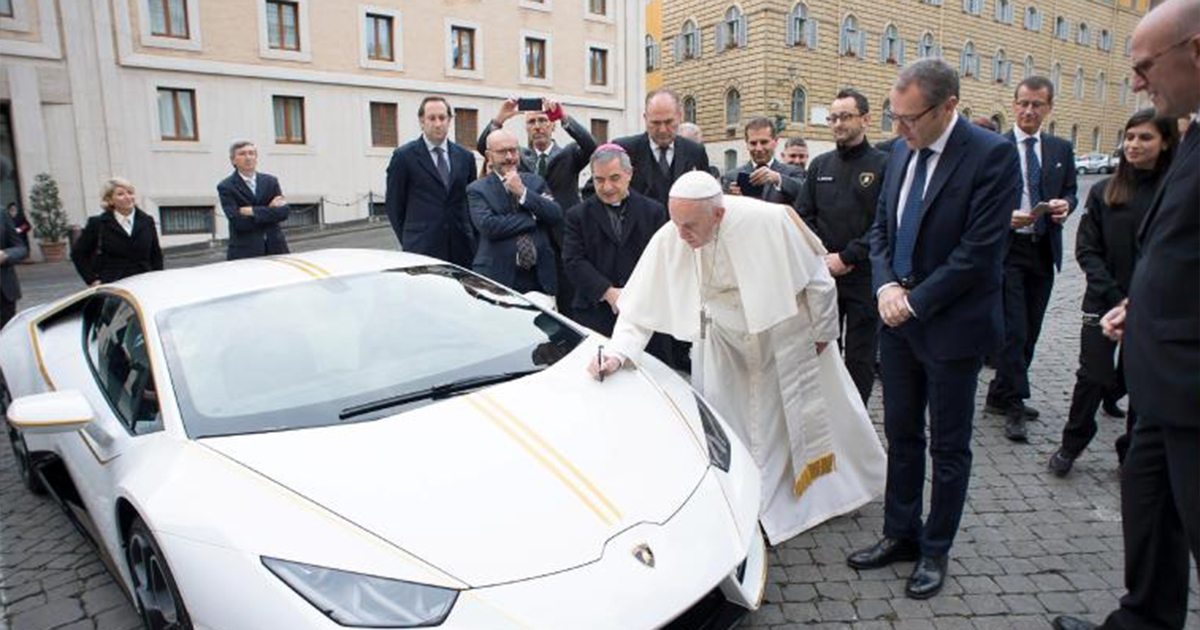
(858, 317)
(1160, 513)
(912, 382)
(1028, 281)
(8, 309)
(1097, 379)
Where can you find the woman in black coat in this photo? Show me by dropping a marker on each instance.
(1106, 247)
(119, 242)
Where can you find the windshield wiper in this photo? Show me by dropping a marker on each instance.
(437, 392)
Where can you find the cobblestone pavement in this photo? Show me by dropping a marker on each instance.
(1031, 546)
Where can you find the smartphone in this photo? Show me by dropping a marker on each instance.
(748, 189)
(529, 104)
(1040, 209)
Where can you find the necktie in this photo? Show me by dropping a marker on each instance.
(443, 166)
(663, 164)
(1033, 182)
(252, 183)
(526, 249)
(906, 234)
(541, 165)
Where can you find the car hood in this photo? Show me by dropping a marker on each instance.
(506, 483)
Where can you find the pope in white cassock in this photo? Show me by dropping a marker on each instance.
(745, 282)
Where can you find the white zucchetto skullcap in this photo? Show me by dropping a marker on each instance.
(695, 185)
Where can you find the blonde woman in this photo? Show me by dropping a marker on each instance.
(121, 241)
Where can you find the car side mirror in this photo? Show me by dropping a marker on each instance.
(52, 412)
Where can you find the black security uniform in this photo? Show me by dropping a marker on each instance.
(838, 202)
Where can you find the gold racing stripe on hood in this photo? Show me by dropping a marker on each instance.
(550, 459)
(319, 270)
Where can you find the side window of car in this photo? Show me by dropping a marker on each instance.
(116, 350)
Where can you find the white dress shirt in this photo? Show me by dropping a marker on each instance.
(1026, 202)
(125, 221)
(654, 151)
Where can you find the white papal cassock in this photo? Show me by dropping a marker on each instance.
(754, 302)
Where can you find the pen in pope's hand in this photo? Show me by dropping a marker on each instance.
(600, 361)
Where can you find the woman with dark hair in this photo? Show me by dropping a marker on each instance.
(19, 222)
(119, 242)
(1105, 247)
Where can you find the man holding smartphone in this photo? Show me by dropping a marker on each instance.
(764, 177)
(1034, 249)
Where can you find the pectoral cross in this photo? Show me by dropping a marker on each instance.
(705, 319)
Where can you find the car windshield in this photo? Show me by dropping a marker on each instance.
(298, 356)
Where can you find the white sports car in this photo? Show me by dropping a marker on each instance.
(357, 438)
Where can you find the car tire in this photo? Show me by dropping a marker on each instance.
(1081, 171)
(29, 477)
(154, 591)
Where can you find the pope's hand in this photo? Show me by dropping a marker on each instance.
(608, 366)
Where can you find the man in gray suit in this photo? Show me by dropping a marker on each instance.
(777, 182)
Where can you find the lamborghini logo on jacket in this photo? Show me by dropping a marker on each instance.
(866, 179)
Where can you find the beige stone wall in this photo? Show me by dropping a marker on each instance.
(766, 70)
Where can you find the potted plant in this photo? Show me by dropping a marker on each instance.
(49, 221)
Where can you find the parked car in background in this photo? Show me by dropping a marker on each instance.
(1095, 162)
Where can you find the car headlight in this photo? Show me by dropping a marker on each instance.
(365, 601)
(719, 451)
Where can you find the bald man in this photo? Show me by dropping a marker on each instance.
(1159, 326)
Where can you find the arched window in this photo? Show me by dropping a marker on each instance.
(689, 109)
(853, 41)
(1105, 42)
(1050, 129)
(968, 62)
(1079, 83)
(885, 121)
(1074, 135)
(998, 120)
(687, 45)
(799, 106)
(891, 47)
(928, 46)
(1004, 11)
(1083, 36)
(1061, 28)
(1124, 97)
(1001, 68)
(1033, 19)
(1056, 77)
(966, 113)
(652, 58)
(801, 30)
(1029, 67)
(1096, 139)
(731, 32)
(1101, 88)
(973, 7)
(730, 160)
(733, 108)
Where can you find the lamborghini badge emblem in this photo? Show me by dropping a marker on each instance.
(644, 554)
(865, 179)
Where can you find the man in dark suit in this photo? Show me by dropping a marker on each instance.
(514, 215)
(660, 155)
(12, 251)
(1159, 325)
(781, 183)
(605, 237)
(559, 166)
(427, 189)
(937, 248)
(1034, 249)
(254, 205)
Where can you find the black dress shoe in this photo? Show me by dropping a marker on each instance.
(1060, 463)
(1029, 412)
(883, 553)
(1114, 410)
(1065, 622)
(1014, 427)
(927, 577)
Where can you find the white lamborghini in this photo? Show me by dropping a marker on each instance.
(368, 439)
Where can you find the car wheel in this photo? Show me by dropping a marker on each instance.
(29, 477)
(154, 591)
(1081, 171)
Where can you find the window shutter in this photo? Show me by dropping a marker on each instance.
(900, 52)
(791, 29)
(677, 48)
(862, 44)
(742, 26)
(699, 42)
(719, 37)
(883, 45)
(812, 33)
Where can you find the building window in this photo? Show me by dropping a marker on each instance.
(1095, 138)
(928, 46)
(600, 130)
(535, 58)
(1001, 68)
(283, 25)
(1061, 28)
(1124, 95)
(1083, 36)
(1106, 40)
(689, 109)
(853, 41)
(799, 106)
(598, 7)
(466, 125)
(462, 52)
(1079, 84)
(891, 47)
(934, 3)
(1128, 45)
(379, 37)
(1056, 77)
(1051, 127)
(1033, 19)
(175, 220)
(1074, 135)
(168, 18)
(885, 121)
(652, 56)
(731, 32)
(177, 114)
(968, 63)
(973, 7)
(687, 45)
(801, 30)
(598, 67)
(383, 125)
(1029, 67)
(730, 160)
(6, 8)
(1101, 88)
(733, 108)
(289, 119)
(1004, 11)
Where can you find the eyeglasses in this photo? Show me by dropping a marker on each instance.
(909, 121)
(1142, 68)
(1031, 104)
(512, 151)
(837, 118)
